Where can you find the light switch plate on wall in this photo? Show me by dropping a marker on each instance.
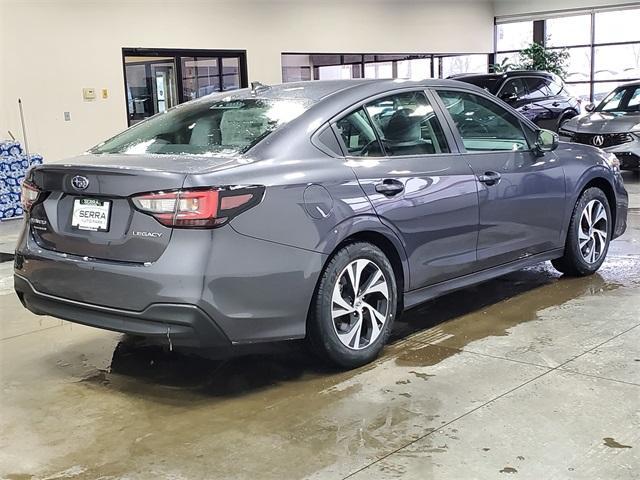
(89, 93)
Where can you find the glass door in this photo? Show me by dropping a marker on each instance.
(157, 80)
(164, 86)
(151, 86)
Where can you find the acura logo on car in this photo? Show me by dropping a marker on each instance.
(79, 182)
(598, 140)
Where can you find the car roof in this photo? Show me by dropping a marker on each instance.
(509, 74)
(634, 83)
(316, 90)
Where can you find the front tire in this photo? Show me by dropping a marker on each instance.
(354, 306)
(589, 235)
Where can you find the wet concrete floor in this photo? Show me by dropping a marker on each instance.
(528, 376)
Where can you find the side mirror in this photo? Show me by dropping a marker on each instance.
(509, 97)
(547, 141)
(589, 107)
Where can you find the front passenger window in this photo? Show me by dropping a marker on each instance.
(482, 124)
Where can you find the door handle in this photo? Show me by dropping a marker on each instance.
(489, 178)
(555, 104)
(389, 187)
(525, 108)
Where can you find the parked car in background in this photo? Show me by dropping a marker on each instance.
(542, 97)
(312, 209)
(614, 126)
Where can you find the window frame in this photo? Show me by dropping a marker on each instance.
(433, 101)
(529, 129)
(178, 54)
(539, 36)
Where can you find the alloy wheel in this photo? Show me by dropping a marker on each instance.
(592, 231)
(360, 304)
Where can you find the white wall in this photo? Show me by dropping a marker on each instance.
(52, 49)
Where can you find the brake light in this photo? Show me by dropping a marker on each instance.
(29, 195)
(198, 208)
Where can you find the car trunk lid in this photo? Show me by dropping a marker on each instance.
(87, 209)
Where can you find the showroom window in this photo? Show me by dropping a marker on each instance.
(302, 66)
(603, 46)
(158, 79)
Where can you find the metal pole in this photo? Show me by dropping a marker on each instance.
(24, 130)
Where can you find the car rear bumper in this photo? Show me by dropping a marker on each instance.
(177, 324)
(209, 287)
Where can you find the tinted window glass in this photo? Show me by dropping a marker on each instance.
(483, 125)
(513, 88)
(555, 88)
(407, 125)
(329, 140)
(622, 100)
(537, 88)
(358, 135)
(206, 126)
(490, 84)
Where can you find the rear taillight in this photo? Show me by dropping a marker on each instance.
(198, 208)
(29, 195)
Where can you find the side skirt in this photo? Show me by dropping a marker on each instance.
(416, 297)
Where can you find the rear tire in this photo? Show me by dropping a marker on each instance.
(348, 326)
(588, 236)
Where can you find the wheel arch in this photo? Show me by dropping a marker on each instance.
(567, 114)
(604, 185)
(371, 230)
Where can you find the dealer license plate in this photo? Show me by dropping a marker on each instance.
(91, 214)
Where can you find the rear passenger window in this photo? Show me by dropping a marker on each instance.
(483, 125)
(555, 88)
(513, 89)
(358, 135)
(407, 125)
(538, 88)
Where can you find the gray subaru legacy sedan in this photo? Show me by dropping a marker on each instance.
(315, 210)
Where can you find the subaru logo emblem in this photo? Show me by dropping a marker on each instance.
(598, 140)
(79, 182)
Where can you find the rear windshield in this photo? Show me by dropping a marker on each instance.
(221, 127)
(490, 84)
(624, 99)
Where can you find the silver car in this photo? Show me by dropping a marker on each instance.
(312, 209)
(614, 126)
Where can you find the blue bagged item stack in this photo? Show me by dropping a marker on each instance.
(14, 164)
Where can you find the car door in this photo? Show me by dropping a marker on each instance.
(544, 106)
(514, 92)
(407, 165)
(521, 193)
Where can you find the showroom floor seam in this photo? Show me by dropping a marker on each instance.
(532, 380)
(44, 329)
(599, 377)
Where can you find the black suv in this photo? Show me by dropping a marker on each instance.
(540, 96)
